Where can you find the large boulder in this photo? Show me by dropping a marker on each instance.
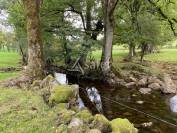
(122, 126)
(168, 86)
(63, 93)
(102, 123)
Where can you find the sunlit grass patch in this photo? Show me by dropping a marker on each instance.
(9, 59)
(6, 75)
(165, 55)
(25, 112)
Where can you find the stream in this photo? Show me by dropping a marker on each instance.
(155, 104)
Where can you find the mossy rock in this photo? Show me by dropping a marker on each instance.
(63, 94)
(62, 129)
(102, 123)
(85, 115)
(65, 116)
(122, 126)
(61, 106)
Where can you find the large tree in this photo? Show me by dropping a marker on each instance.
(108, 7)
(35, 67)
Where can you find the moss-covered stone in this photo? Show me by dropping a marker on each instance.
(122, 126)
(102, 123)
(62, 129)
(85, 115)
(63, 94)
(65, 116)
(61, 106)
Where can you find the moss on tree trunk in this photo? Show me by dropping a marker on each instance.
(35, 67)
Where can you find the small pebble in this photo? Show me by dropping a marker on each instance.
(140, 102)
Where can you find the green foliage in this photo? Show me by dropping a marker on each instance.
(140, 22)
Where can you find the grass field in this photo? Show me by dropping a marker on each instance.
(8, 59)
(25, 112)
(165, 55)
(11, 59)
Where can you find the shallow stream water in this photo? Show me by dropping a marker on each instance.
(155, 104)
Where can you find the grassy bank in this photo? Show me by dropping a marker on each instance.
(8, 59)
(24, 112)
(165, 55)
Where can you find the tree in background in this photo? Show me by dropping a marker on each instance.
(108, 13)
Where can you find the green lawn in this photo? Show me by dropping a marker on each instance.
(25, 112)
(116, 53)
(6, 75)
(165, 55)
(9, 59)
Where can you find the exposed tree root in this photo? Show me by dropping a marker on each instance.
(19, 82)
(22, 81)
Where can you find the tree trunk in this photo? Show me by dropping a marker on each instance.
(143, 50)
(106, 58)
(131, 51)
(23, 55)
(35, 67)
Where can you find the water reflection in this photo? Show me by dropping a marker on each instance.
(153, 104)
(173, 104)
(95, 98)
